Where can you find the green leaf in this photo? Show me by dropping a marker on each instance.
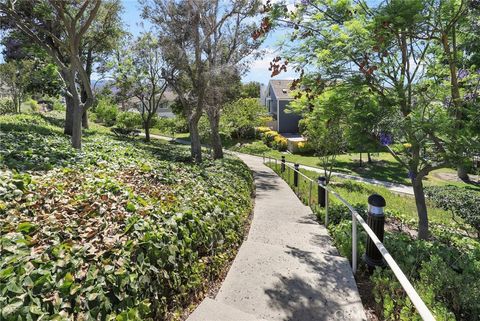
(130, 207)
(26, 227)
(14, 287)
(35, 309)
(92, 296)
(6, 273)
(11, 308)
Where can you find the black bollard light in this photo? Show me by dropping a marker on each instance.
(322, 181)
(295, 175)
(376, 221)
(282, 166)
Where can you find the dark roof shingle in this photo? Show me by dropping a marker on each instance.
(281, 88)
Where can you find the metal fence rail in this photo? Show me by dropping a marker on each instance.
(407, 286)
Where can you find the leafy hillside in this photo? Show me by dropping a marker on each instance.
(122, 230)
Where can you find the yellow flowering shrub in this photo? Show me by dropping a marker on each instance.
(263, 129)
(280, 143)
(268, 137)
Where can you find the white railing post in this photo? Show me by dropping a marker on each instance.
(310, 194)
(326, 207)
(354, 243)
(288, 174)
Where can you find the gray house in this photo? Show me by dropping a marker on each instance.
(276, 98)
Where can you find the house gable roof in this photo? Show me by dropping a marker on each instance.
(281, 88)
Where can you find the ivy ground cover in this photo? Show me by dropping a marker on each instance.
(120, 231)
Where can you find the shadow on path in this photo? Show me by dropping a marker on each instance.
(306, 299)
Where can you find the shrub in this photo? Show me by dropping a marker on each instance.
(268, 137)
(6, 106)
(460, 201)
(166, 125)
(263, 129)
(106, 112)
(274, 140)
(129, 120)
(254, 148)
(181, 125)
(280, 143)
(33, 105)
(58, 105)
(304, 148)
(240, 117)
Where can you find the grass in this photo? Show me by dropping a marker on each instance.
(403, 206)
(183, 136)
(383, 167)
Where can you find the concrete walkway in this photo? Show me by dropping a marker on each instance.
(287, 269)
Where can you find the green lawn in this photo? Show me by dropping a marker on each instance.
(357, 193)
(383, 167)
(156, 131)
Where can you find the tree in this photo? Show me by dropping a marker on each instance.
(358, 111)
(203, 40)
(44, 78)
(59, 28)
(139, 75)
(100, 41)
(15, 75)
(250, 90)
(181, 44)
(388, 47)
(239, 118)
(324, 123)
(450, 18)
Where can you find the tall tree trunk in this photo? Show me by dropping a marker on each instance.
(462, 173)
(361, 162)
(195, 144)
(88, 70)
(216, 140)
(85, 114)
(77, 108)
(85, 120)
(418, 191)
(69, 108)
(146, 127)
(369, 156)
(77, 125)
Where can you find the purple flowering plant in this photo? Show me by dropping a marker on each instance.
(386, 139)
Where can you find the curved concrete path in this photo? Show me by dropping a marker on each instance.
(394, 187)
(287, 269)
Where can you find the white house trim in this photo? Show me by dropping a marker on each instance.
(278, 115)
